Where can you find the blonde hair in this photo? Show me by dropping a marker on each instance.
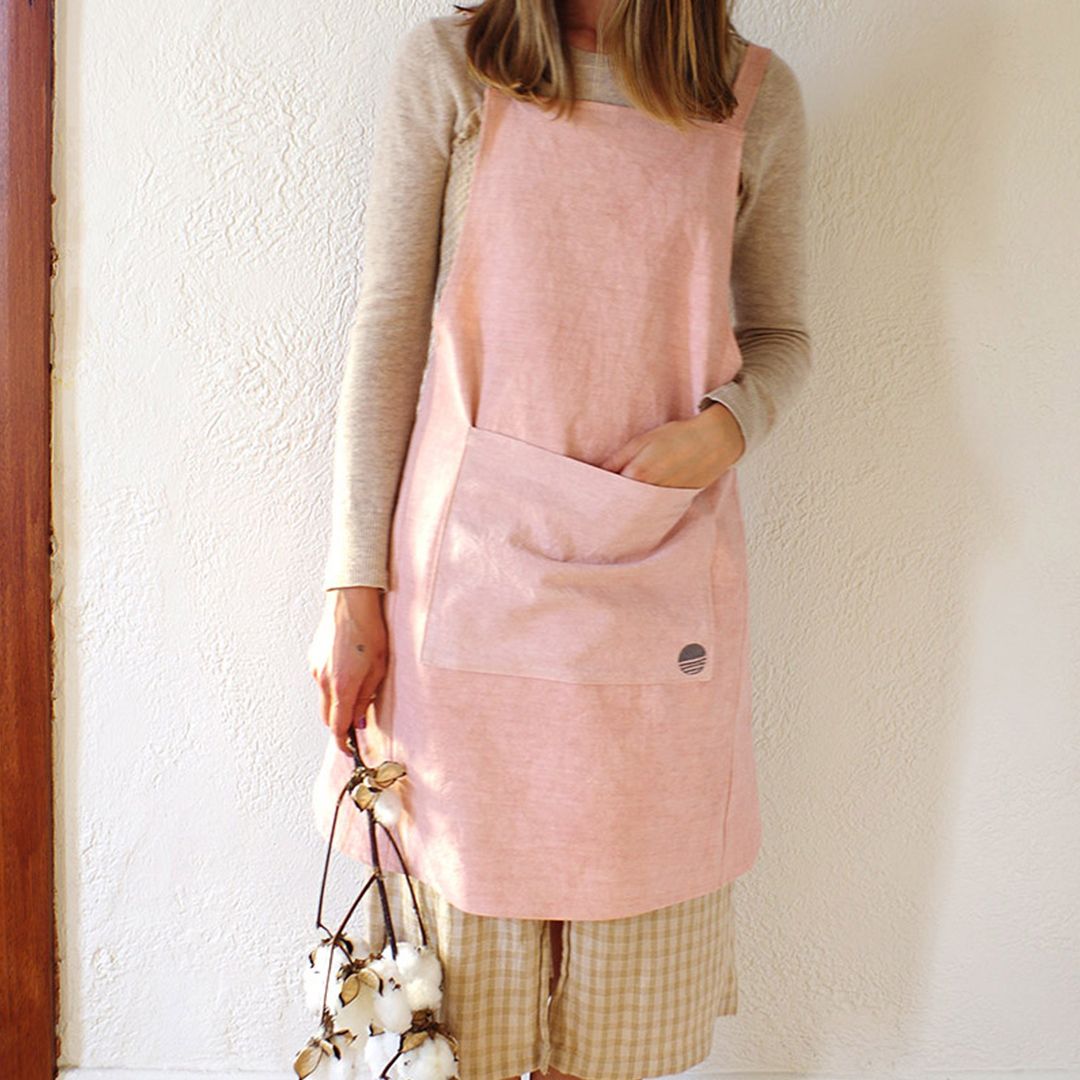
(671, 58)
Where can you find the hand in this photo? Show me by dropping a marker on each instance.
(682, 453)
(348, 657)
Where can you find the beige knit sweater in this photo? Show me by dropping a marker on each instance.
(425, 144)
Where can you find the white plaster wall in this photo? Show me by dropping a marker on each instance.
(914, 529)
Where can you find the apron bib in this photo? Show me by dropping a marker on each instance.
(568, 675)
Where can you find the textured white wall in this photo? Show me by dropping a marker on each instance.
(914, 527)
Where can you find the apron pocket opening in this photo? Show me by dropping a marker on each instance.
(550, 567)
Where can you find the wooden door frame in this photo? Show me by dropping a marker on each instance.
(28, 981)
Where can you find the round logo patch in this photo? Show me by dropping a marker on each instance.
(692, 658)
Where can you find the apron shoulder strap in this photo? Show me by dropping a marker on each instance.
(751, 70)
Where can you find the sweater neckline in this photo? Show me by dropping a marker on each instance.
(591, 53)
(602, 58)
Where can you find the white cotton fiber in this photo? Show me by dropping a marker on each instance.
(392, 1008)
(351, 1065)
(315, 978)
(314, 975)
(388, 807)
(379, 1050)
(433, 1059)
(422, 973)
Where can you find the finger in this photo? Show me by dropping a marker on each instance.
(363, 705)
(368, 689)
(360, 712)
(324, 700)
(341, 712)
(625, 454)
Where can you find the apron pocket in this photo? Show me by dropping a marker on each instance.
(549, 567)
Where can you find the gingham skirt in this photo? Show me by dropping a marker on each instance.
(613, 999)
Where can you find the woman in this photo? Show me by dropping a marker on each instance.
(537, 579)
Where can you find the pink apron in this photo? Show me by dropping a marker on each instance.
(568, 668)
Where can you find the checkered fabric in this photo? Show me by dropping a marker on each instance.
(632, 997)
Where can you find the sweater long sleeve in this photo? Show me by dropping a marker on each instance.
(768, 269)
(389, 336)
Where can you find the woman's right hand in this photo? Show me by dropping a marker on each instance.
(348, 657)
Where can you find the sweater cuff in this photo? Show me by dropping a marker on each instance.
(344, 573)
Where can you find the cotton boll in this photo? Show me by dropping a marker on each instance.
(356, 1016)
(314, 988)
(315, 977)
(433, 1059)
(388, 807)
(392, 1009)
(426, 992)
(445, 1063)
(414, 1063)
(378, 1050)
(351, 1065)
(314, 974)
(422, 973)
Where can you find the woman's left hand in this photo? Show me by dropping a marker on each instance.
(682, 453)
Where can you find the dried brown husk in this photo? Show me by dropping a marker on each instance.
(388, 772)
(363, 796)
(412, 1039)
(307, 1061)
(350, 988)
